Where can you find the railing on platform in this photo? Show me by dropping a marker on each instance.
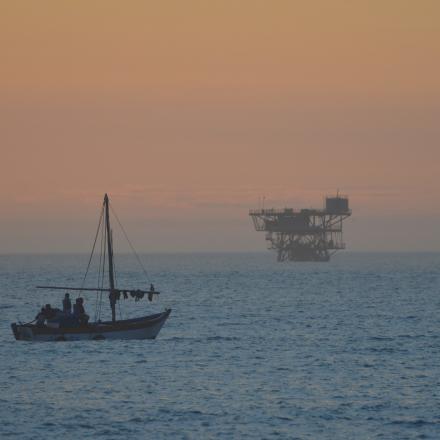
(290, 211)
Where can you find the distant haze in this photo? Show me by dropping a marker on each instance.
(187, 112)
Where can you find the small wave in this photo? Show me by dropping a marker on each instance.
(411, 336)
(194, 412)
(179, 339)
(222, 338)
(414, 423)
(387, 350)
(374, 407)
(381, 338)
(285, 418)
(85, 426)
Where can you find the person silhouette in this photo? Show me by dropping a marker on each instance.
(67, 304)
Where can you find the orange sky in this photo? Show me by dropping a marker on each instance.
(187, 111)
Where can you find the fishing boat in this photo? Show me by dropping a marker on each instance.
(66, 327)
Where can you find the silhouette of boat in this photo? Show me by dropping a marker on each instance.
(68, 328)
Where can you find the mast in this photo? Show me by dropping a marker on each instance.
(111, 276)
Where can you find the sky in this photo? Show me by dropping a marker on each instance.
(188, 112)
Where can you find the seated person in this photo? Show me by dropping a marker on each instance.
(49, 316)
(52, 316)
(49, 312)
(79, 311)
(40, 318)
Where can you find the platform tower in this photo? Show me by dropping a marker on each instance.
(306, 234)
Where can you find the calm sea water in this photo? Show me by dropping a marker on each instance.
(253, 349)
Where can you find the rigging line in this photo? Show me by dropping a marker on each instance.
(102, 268)
(120, 311)
(104, 247)
(129, 242)
(93, 249)
(101, 273)
(113, 261)
(116, 282)
(100, 306)
(99, 276)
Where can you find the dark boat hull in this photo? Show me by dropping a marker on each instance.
(147, 327)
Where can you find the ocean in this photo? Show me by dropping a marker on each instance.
(253, 349)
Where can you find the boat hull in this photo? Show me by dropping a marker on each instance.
(147, 327)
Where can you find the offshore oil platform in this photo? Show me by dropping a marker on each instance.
(306, 234)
